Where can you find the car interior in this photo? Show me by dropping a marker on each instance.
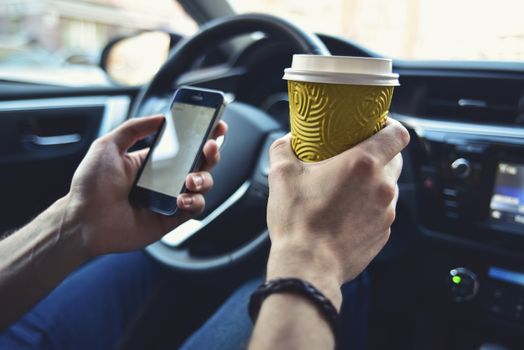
(451, 275)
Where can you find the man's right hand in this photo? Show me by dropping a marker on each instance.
(328, 220)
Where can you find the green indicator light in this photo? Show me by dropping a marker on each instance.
(456, 279)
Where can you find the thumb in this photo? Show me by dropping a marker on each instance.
(138, 158)
(134, 130)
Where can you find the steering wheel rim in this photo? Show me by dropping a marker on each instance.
(240, 117)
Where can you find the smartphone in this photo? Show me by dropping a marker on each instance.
(177, 147)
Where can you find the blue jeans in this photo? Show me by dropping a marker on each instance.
(101, 306)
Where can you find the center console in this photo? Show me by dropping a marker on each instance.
(472, 182)
(471, 209)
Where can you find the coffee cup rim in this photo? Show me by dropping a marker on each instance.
(342, 70)
(390, 79)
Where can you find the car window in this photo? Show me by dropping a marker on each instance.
(60, 41)
(411, 29)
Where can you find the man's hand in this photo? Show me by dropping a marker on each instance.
(99, 195)
(328, 220)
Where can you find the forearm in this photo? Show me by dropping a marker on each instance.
(290, 321)
(37, 258)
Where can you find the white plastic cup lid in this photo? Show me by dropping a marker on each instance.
(342, 70)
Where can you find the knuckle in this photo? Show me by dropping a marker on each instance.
(281, 169)
(278, 143)
(366, 164)
(132, 131)
(391, 214)
(98, 142)
(198, 203)
(129, 127)
(386, 192)
(209, 180)
(402, 134)
(201, 204)
(101, 141)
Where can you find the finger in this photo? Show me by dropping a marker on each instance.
(200, 182)
(220, 130)
(192, 203)
(385, 144)
(211, 154)
(397, 194)
(394, 168)
(133, 130)
(281, 151)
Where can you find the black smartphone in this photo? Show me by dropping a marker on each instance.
(177, 147)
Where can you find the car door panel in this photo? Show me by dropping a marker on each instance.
(42, 140)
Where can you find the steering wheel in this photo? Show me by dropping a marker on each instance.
(241, 186)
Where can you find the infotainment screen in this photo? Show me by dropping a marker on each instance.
(507, 201)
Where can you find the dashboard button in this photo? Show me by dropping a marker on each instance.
(463, 284)
(461, 168)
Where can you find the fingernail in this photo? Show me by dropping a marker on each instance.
(187, 201)
(198, 180)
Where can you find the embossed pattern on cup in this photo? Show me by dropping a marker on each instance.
(327, 119)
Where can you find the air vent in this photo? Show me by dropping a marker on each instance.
(487, 101)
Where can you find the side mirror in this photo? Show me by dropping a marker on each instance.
(133, 60)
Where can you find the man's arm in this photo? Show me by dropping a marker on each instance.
(290, 321)
(36, 258)
(326, 221)
(94, 218)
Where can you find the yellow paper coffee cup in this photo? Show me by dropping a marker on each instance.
(336, 102)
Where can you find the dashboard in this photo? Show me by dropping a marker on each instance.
(461, 209)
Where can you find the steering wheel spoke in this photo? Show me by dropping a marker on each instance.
(192, 227)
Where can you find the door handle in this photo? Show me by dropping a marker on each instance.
(55, 140)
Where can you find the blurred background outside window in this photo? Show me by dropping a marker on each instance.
(60, 41)
(412, 29)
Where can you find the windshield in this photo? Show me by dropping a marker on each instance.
(59, 42)
(411, 29)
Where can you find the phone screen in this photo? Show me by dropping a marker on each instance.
(176, 148)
